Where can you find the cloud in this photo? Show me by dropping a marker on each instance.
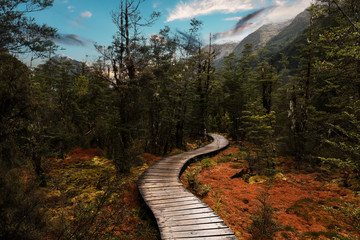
(204, 7)
(71, 8)
(242, 24)
(233, 19)
(78, 21)
(282, 11)
(70, 40)
(86, 14)
(286, 10)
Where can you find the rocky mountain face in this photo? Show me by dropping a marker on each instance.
(271, 37)
(261, 37)
(289, 33)
(222, 50)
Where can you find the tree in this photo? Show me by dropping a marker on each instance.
(15, 112)
(19, 33)
(263, 225)
(236, 74)
(127, 51)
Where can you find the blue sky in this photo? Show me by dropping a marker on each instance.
(81, 23)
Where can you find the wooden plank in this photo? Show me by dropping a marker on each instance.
(176, 204)
(161, 192)
(181, 207)
(170, 200)
(190, 212)
(187, 217)
(200, 233)
(189, 222)
(207, 238)
(160, 186)
(203, 226)
(164, 197)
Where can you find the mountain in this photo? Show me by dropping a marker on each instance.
(65, 58)
(289, 33)
(262, 36)
(222, 50)
(273, 37)
(258, 39)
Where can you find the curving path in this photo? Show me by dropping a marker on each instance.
(179, 214)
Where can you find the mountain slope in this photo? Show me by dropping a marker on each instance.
(289, 33)
(273, 37)
(258, 39)
(261, 37)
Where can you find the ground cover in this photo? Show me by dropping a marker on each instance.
(301, 199)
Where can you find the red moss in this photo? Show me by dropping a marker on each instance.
(234, 200)
(84, 154)
(131, 196)
(149, 158)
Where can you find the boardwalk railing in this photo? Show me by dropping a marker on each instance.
(179, 214)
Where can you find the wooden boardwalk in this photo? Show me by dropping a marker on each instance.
(179, 214)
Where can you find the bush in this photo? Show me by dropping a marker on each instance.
(21, 210)
(194, 183)
(207, 162)
(349, 214)
(263, 225)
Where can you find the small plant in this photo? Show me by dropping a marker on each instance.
(263, 225)
(194, 183)
(207, 162)
(227, 158)
(289, 229)
(348, 214)
(218, 204)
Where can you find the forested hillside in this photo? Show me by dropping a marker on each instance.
(75, 136)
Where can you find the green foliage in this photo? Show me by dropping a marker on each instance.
(235, 77)
(263, 225)
(207, 162)
(349, 214)
(289, 229)
(15, 112)
(300, 208)
(220, 123)
(258, 129)
(19, 33)
(194, 183)
(346, 141)
(317, 235)
(22, 215)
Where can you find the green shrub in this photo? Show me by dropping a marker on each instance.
(207, 162)
(194, 183)
(317, 235)
(289, 229)
(263, 225)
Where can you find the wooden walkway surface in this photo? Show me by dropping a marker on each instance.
(179, 214)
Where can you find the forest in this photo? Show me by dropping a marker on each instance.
(76, 136)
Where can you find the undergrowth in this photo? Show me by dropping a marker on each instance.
(194, 183)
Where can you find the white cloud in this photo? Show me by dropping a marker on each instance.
(205, 7)
(285, 11)
(233, 19)
(71, 8)
(86, 14)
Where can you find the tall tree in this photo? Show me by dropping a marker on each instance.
(236, 74)
(18, 32)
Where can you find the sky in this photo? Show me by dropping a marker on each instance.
(82, 23)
